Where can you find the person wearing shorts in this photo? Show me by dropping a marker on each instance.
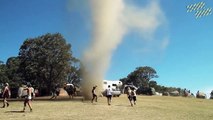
(6, 94)
(94, 95)
(28, 97)
(109, 95)
(134, 96)
(129, 95)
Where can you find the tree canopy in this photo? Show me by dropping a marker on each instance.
(45, 60)
(141, 76)
(12, 71)
(3, 75)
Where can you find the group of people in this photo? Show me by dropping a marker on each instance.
(69, 88)
(55, 91)
(131, 95)
(108, 94)
(27, 101)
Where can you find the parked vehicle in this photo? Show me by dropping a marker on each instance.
(115, 93)
(115, 85)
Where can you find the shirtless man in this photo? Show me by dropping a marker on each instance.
(134, 95)
(129, 95)
(28, 97)
(6, 94)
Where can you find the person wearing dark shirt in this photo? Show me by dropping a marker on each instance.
(94, 95)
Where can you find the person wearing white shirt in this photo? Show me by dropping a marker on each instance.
(109, 94)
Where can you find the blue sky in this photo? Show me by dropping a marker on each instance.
(185, 61)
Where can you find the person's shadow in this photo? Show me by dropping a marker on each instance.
(15, 111)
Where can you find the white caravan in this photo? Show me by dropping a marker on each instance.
(114, 84)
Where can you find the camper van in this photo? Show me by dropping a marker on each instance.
(115, 85)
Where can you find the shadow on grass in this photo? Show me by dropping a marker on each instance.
(122, 105)
(76, 99)
(15, 111)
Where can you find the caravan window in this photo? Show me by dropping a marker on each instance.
(114, 84)
(105, 82)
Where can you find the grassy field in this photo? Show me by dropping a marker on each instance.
(147, 108)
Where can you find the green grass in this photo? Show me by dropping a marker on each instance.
(147, 108)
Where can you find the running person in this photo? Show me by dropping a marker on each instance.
(134, 96)
(28, 97)
(55, 91)
(6, 94)
(129, 95)
(94, 95)
(109, 95)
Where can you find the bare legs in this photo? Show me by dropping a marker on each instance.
(94, 98)
(27, 102)
(109, 99)
(5, 102)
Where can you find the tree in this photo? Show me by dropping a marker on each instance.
(45, 60)
(74, 75)
(3, 75)
(12, 71)
(141, 76)
(153, 84)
